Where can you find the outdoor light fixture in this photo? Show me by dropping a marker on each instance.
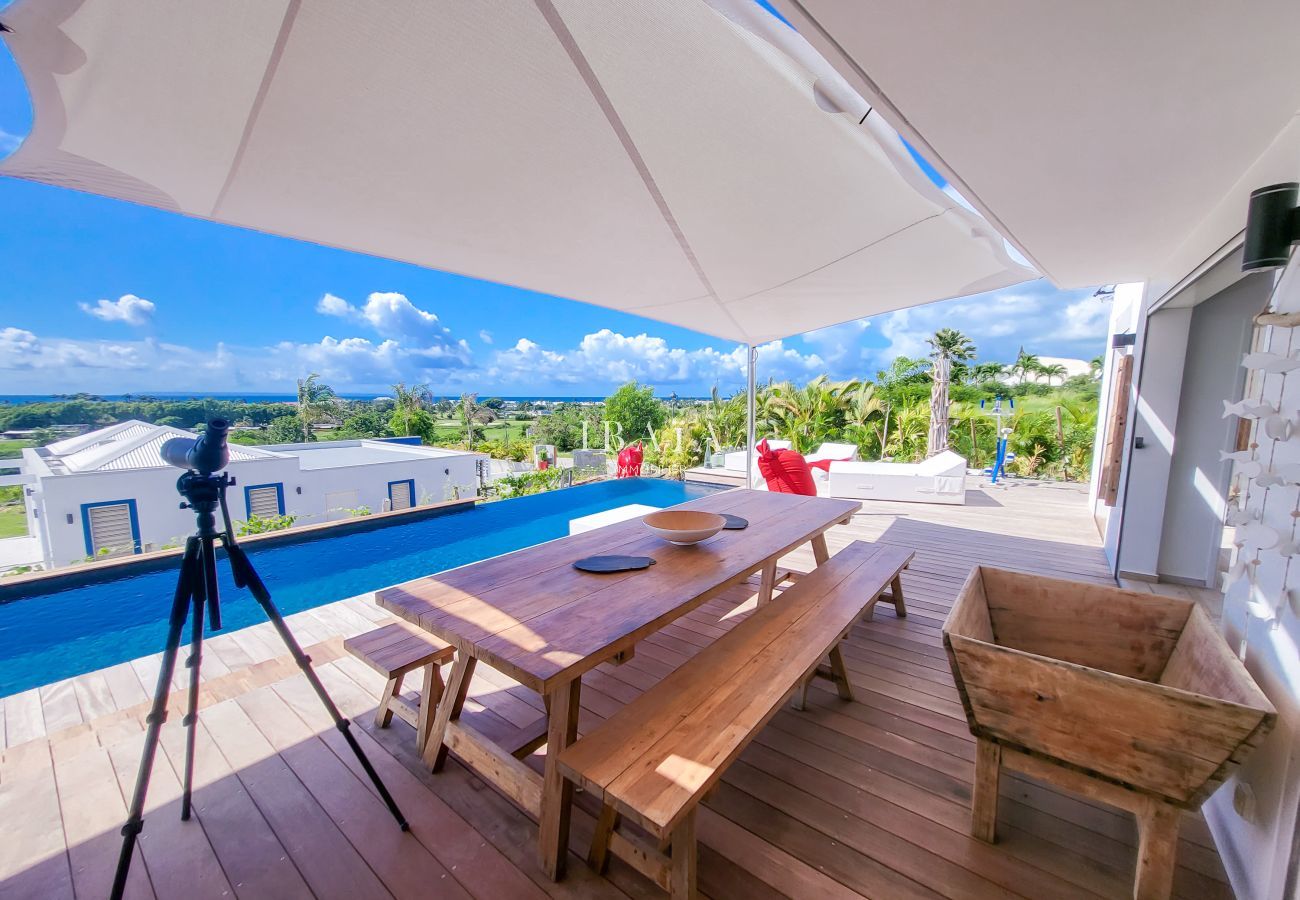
(1122, 340)
(1272, 226)
(69, 518)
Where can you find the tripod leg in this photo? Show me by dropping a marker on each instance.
(207, 570)
(247, 576)
(158, 712)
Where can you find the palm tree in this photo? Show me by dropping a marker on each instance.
(808, 415)
(1026, 364)
(862, 408)
(472, 415)
(948, 345)
(1095, 366)
(1055, 370)
(410, 403)
(989, 371)
(316, 402)
(723, 420)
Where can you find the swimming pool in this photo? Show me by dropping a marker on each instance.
(46, 635)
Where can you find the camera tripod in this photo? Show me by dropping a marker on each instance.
(196, 593)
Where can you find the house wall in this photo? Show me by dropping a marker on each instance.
(1253, 816)
(162, 522)
(1220, 335)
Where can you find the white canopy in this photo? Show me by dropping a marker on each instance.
(693, 162)
(1106, 138)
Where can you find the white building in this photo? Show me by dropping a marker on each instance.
(108, 492)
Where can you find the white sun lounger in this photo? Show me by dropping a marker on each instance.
(939, 479)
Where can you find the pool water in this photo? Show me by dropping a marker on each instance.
(50, 635)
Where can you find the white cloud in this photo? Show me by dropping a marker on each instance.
(606, 357)
(390, 315)
(485, 336)
(128, 308)
(1035, 316)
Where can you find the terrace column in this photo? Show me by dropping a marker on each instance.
(751, 354)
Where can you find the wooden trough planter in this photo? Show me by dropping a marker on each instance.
(1131, 699)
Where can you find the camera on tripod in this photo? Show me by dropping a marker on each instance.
(196, 593)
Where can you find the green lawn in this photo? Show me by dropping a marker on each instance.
(12, 449)
(13, 521)
(450, 432)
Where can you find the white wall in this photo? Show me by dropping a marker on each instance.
(1262, 621)
(1199, 478)
(162, 522)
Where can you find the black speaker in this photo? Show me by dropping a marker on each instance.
(1272, 226)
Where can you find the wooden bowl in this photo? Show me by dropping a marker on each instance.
(684, 526)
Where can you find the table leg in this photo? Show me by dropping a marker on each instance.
(453, 700)
(767, 583)
(557, 791)
(820, 552)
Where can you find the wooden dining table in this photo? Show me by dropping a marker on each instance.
(533, 617)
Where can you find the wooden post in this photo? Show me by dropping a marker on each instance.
(896, 590)
(984, 801)
(839, 673)
(1060, 430)
(430, 700)
(1157, 848)
(453, 699)
(685, 861)
(819, 549)
(598, 857)
(767, 583)
(384, 713)
(557, 791)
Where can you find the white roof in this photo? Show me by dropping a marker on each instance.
(338, 454)
(1105, 138)
(693, 162)
(127, 445)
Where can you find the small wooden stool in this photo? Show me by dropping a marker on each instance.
(393, 651)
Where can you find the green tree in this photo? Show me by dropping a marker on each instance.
(1054, 370)
(635, 409)
(810, 414)
(364, 423)
(1095, 367)
(1026, 364)
(410, 404)
(472, 415)
(317, 402)
(284, 430)
(947, 345)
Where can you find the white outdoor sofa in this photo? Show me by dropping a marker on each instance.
(939, 479)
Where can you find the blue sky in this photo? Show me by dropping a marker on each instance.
(102, 296)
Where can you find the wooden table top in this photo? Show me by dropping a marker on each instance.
(533, 616)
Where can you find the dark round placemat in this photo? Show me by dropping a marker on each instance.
(613, 563)
(734, 523)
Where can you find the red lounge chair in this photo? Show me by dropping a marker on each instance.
(785, 471)
(629, 460)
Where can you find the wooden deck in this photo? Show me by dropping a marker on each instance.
(869, 798)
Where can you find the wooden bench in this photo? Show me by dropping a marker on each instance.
(393, 651)
(654, 760)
